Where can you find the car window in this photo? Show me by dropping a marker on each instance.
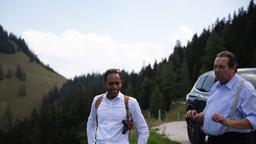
(205, 82)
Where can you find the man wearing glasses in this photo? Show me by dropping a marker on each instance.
(113, 114)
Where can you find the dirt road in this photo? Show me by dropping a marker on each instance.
(176, 131)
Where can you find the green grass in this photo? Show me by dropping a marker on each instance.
(38, 82)
(154, 138)
(177, 112)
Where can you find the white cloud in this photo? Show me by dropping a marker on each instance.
(184, 34)
(73, 53)
(124, 24)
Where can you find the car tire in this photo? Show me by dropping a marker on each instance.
(195, 133)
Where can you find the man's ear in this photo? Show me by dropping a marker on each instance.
(234, 67)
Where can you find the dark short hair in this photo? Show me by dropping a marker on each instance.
(231, 56)
(111, 71)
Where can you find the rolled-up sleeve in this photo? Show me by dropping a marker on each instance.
(249, 107)
(139, 122)
(91, 124)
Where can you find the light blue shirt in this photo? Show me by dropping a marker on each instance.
(220, 101)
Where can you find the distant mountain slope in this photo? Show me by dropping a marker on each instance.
(23, 84)
(10, 43)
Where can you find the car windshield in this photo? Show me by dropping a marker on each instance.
(205, 82)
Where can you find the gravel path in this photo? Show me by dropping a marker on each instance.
(176, 131)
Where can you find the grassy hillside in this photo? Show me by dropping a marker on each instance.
(38, 82)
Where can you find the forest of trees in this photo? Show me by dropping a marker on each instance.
(64, 111)
(9, 44)
(1, 72)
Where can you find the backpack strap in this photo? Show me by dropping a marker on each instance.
(128, 122)
(126, 99)
(98, 101)
(97, 104)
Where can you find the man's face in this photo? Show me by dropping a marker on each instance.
(113, 84)
(222, 71)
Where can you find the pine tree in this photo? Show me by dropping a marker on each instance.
(184, 85)
(19, 73)
(7, 119)
(156, 102)
(3, 137)
(146, 90)
(167, 82)
(1, 72)
(9, 73)
(214, 45)
(22, 91)
(129, 90)
(35, 136)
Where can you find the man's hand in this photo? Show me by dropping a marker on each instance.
(195, 116)
(128, 124)
(191, 114)
(220, 119)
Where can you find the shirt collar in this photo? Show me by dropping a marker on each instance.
(119, 96)
(231, 83)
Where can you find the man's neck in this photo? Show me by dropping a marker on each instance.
(223, 83)
(110, 97)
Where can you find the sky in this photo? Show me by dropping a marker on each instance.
(89, 36)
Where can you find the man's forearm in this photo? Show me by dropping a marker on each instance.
(142, 131)
(242, 123)
(199, 118)
(143, 139)
(90, 136)
(91, 130)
